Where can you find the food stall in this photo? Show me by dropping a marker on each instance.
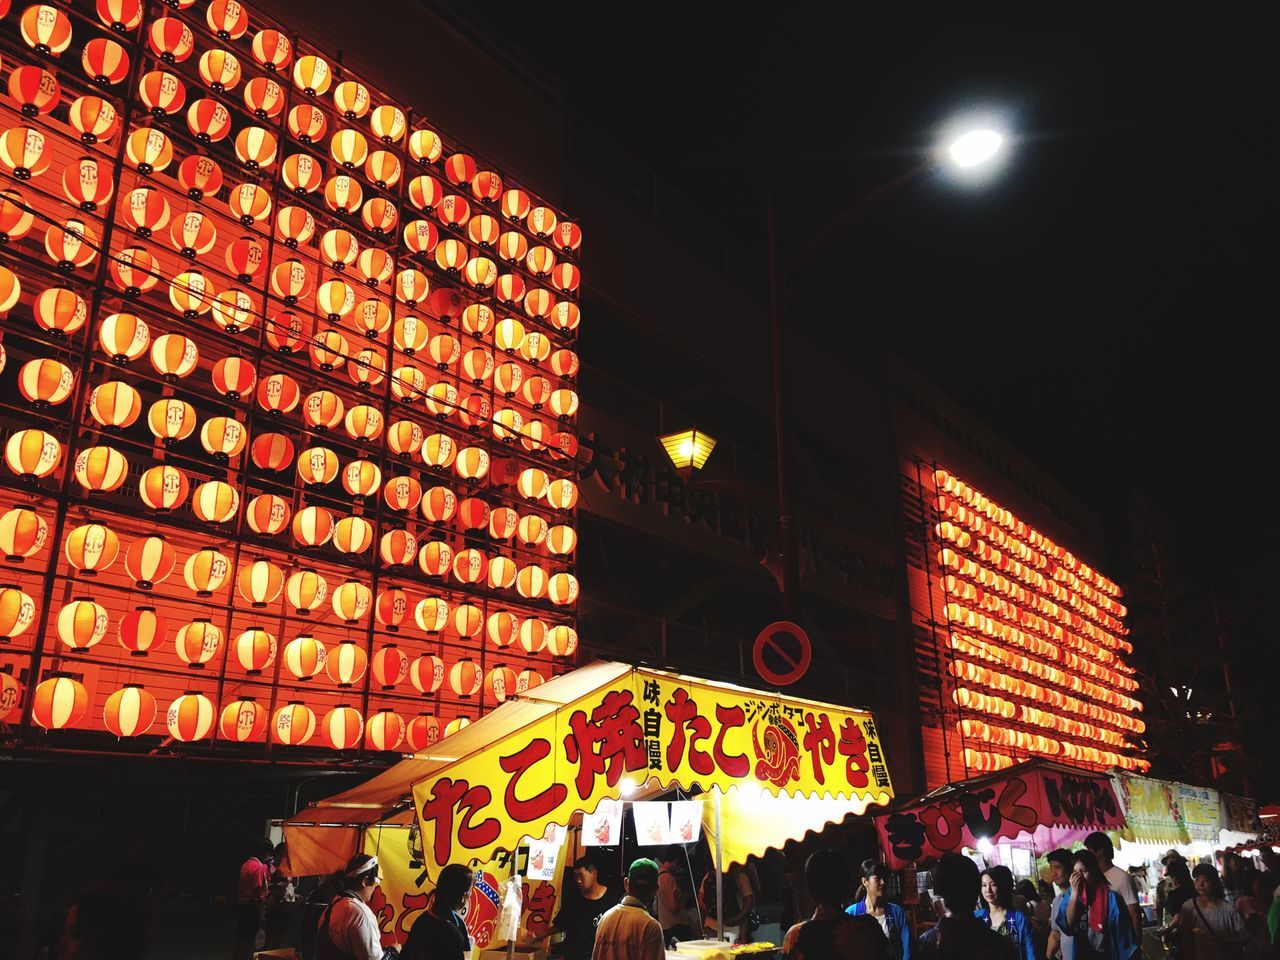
(574, 753)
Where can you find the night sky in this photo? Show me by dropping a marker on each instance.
(1117, 275)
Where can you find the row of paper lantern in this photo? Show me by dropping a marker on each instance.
(1045, 746)
(993, 511)
(1006, 709)
(63, 702)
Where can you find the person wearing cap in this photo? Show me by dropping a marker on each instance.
(348, 929)
(439, 933)
(627, 931)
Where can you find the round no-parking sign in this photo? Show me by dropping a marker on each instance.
(782, 653)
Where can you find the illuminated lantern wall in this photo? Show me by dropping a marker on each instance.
(280, 361)
(1028, 647)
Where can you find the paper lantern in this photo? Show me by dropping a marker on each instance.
(500, 683)
(528, 680)
(465, 678)
(59, 702)
(426, 673)
(71, 246)
(312, 75)
(484, 230)
(451, 255)
(397, 548)
(508, 335)
(423, 731)
(412, 287)
(425, 146)
(271, 451)
(481, 272)
(561, 540)
(322, 410)
(487, 186)
(233, 310)
(171, 420)
(472, 463)
(349, 148)
(335, 299)
(435, 558)
(206, 571)
(223, 438)
(93, 118)
(23, 151)
(410, 334)
(502, 628)
(564, 363)
(135, 271)
(342, 728)
(510, 289)
(562, 589)
(390, 608)
(405, 438)
(140, 630)
(531, 582)
(91, 547)
(313, 526)
(353, 535)
(220, 69)
(455, 725)
(82, 623)
(470, 566)
(515, 205)
(441, 399)
(385, 730)
(305, 591)
(22, 534)
(539, 303)
(229, 19)
(250, 203)
(375, 266)
(328, 352)
(10, 699)
(242, 721)
(317, 465)
(278, 394)
(302, 175)
(420, 236)
(293, 724)
(507, 424)
(346, 664)
(562, 494)
(351, 601)
(45, 383)
(431, 614)
(284, 332)
(562, 641)
(124, 337)
(60, 311)
(536, 347)
(149, 561)
(163, 488)
(390, 666)
(564, 315)
(567, 236)
(149, 150)
(343, 194)
(255, 650)
(86, 184)
(512, 246)
(208, 120)
(473, 513)
(362, 424)
(101, 469)
(215, 501)
(408, 383)
(502, 573)
(532, 635)
(467, 619)
(260, 582)
(361, 478)
(32, 454)
(174, 356)
(17, 612)
(172, 41)
(453, 211)
(104, 61)
(367, 368)
(533, 483)
(438, 451)
(123, 16)
(563, 403)
(15, 223)
(294, 225)
(162, 93)
(304, 657)
(383, 168)
(272, 49)
(387, 123)
(197, 643)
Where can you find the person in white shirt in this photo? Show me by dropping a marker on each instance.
(348, 929)
(1061, 944)
(1122, 884)
(627, 932)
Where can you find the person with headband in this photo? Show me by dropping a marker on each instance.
(348, 929)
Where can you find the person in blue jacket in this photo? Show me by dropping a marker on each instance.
(999, 913)
(875, 903)
(1094, 915)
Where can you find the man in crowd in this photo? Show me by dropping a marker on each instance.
(1060, 944)
(580, 916)
(627, 932)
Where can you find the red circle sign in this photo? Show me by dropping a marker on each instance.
(782, 653)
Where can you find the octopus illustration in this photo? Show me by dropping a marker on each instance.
(483, 908)
(778, 760)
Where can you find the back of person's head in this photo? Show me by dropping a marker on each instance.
(1026, 889)
(1002, 878)
(1062, 857)
(262, 849)
(280, 852)
(826, 875)
(1045, 889)
(1092, 869)
(642, 879)
(453, 885)
(671, 854)
(1209, 873)
(359, 871)
(874, 868)
(1099, 844)
(957, 881)
(1179, 872)
(111, 923)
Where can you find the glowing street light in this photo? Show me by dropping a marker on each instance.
(688, 449)
(976, 147)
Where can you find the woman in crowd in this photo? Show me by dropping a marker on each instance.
(1180, 891)
(1211, 927)
(999, 913)
(1093, 915)
(875, 903)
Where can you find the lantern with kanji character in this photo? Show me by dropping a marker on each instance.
(312, 75)
(465, 678)
(32, 454)
(278, 394)
(171, 40)
(507, 378)
(162, 93)
(199, 176)
(562, 641)
(481, 272)
(104, 61)
(101, 469)
(71, 245)
(129, 711)
(397, 548)
(351, 601)
(387, 123)
(197, 643)
(317, 465)
(149, 150)
(163, 488)
(22, 534)
(562, 493)
(346, 664)
(438, 451)
(87, 183)
(215, 501)
(140, 630)
(361, 478)
(527, 680)
(435, 557)
(242, 721)
(328, 352)
(425, 146)
(294, 724)
(390, 608)
(60, 311)
(59, 702)
(272, 49)
(135, 271)
(502, 627)
(91, 547)
(565, 315)
(45, 383)
(383, 168)
(508, 334)
(487, 186)
(561, 540)
(149, 561)
(390, 666)
(93, 118)
(255, 650)
(190, 717)
(305, 591)
(484, 230)
(422, 731)
(301, 174)
(223, 438)
(171, 420)
(405, 438)
(500, 683)
(228, 19)
(562, 589)
(364, 423)
(472, 463)
(82, 623)
(470, 566)
(313, 526)
(122, 16)
(412, 287)
(323, 409)
(343, 194)
(420, 236)
(341, 728)
(220, 69)
(536, 347)
(304, 657)
(206, 571)
(23, 150)
(250, 203)
(426, 673)
(16, 221)
(233, 310)
(17, 612)
(284, 331)
(367, 369)
(208, 120)
(192, 295)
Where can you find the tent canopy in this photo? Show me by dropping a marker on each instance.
(605, 732)
(998, 806)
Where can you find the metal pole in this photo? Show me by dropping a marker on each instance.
(719, 866)
(786, 522)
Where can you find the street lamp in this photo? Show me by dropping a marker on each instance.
(971, 150)
(688, 449)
